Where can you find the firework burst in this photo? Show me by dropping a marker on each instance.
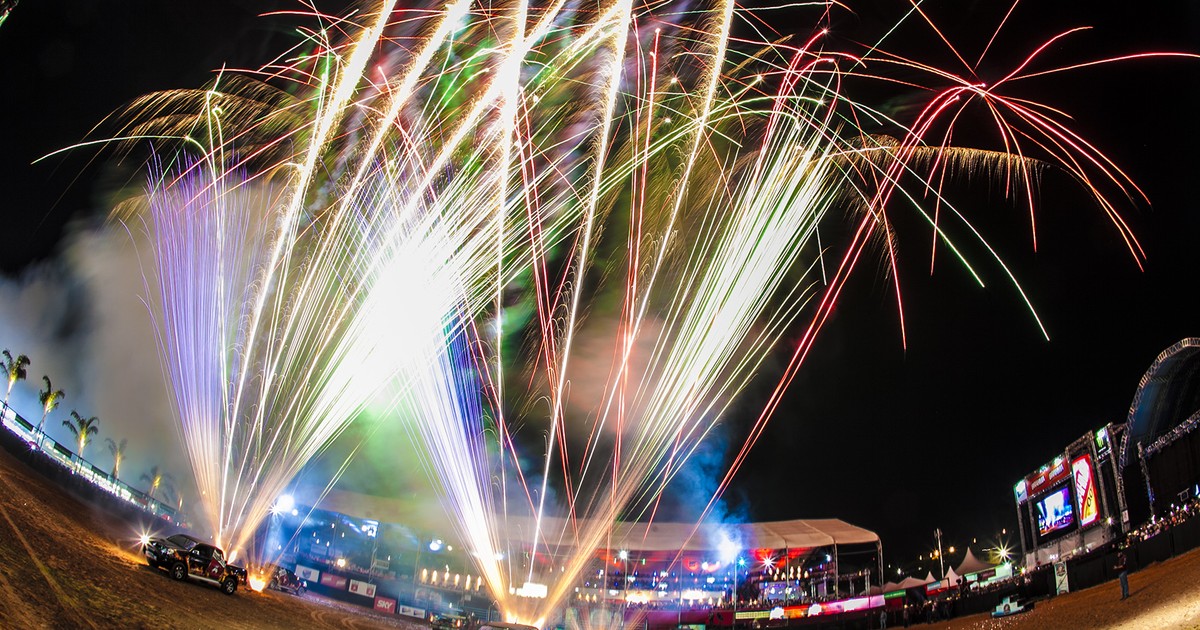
(592, 225)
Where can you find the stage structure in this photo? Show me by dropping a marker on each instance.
(803, 567)
(1160, 455)
(1074, 503)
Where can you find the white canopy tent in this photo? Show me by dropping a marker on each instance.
(556, 534)
(971, 564)
(798, 534)
(555, 531)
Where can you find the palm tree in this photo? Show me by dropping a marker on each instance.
(118, 453)
(171, 497)
(15, 369)
(49, 399)
(157, 478)
(82, 429)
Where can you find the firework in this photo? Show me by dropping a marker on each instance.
(589, 225)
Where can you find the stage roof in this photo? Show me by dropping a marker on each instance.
(1168, 394)
(796, 534)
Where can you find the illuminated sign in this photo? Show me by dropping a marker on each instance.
(1020, 492)
(1102, 445)
(1047, 476)
(1085, 491)
(532, 589)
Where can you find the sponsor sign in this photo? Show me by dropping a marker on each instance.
(362, 588)
(1085, 491)
(384, 604)
(333, 581)
(1060, 578)
(1047, 477)
(1020, 491)
(308, 573)
(410, 611)
(1102, 443)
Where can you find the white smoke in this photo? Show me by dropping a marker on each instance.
(81, 320)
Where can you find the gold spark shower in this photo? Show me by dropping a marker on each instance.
(589, 226)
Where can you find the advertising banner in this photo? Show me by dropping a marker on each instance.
(1046, 478)
(1102, 443)
(308, 573)
(1060, 578)
(362, 588)
(333, 581)
(410, 611)
(384, 604)
(1085, 491)
(1020, 491)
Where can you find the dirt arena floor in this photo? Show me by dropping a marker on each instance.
(67, 564)
(1163, 595)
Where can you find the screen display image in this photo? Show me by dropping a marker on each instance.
(1055, 512)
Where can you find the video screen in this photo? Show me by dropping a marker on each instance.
(1055, 512)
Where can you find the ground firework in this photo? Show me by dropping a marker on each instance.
(592, 225)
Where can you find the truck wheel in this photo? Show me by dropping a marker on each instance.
(274, 585)
(178, 571)
(153, 564)
(229, 585)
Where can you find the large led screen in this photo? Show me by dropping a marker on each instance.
(1055, 512)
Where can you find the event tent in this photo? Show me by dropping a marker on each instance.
(794, 534)
(971, 564)
(912, 582)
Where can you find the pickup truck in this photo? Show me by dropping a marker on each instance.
(185, 557)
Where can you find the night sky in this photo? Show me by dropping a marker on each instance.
(892, 439)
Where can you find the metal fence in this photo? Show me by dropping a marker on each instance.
(39, 442)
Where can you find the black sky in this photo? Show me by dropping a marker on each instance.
(897, 440)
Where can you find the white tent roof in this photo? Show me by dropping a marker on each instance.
(910, 582)
(951, 577)
(797, 534)
(971, 564)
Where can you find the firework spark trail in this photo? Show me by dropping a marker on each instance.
(252, 470)
(700, 364)
(367, 262)
(433, 411)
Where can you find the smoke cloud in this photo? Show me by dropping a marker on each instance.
(81, 320)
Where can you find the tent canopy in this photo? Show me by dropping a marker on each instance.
(911, 582)
(971, 564)
(554, 531)
(798, 534)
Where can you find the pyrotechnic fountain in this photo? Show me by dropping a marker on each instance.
(472, 188)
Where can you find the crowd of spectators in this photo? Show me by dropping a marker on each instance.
(1176, 515)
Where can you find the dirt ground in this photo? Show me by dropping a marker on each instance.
(67, 564)
(1163, 595)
